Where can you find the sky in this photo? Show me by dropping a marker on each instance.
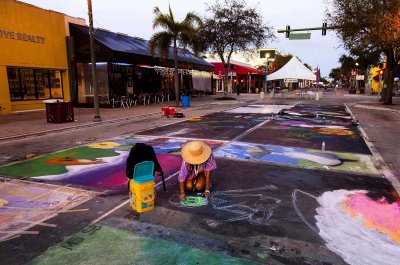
(135, 17)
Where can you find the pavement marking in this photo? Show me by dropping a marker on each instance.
(383, 167)
(22, 232)
(250, 130)
(126, 202)
(48, 211)
(41, 223)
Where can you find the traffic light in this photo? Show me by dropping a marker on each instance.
(287, 33)
(324, 25)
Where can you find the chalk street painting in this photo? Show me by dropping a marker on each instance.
(252, 205)
(100, 165)
(308, 158)
(293, 133)
(363, 227)
(132, 249)
(260, 109)
(218, 126)
(24, 205)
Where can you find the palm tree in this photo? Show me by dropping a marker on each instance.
(175, 33)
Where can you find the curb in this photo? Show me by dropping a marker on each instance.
(380, 162)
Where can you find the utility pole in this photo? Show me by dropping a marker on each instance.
(96, 117)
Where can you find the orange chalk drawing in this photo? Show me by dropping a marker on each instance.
(333, 131)
(70, 161)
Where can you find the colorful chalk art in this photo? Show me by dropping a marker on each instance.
(24, 205)
(357, 221)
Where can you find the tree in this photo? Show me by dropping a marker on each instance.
(232, 27)
(308, 66)
(370, 24)
(175, 33)
(281, 60)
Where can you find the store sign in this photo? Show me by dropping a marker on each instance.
(290, 80)
(21, 36)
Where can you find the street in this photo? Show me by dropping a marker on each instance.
(297, 182)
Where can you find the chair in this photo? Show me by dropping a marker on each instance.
(139, 153)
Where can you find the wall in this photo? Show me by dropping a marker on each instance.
(30, 37)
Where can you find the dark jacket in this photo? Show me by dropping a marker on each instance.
(141, 152)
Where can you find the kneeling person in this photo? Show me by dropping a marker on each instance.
(195, 174)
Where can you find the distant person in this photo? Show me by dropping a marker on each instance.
(197, 165)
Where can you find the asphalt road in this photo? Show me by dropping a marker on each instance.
(253, 215)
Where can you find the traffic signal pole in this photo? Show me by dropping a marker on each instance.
(323, 28)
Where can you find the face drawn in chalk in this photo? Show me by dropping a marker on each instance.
(356, 218)
(251, 205)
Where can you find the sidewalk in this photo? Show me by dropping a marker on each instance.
(33, 122)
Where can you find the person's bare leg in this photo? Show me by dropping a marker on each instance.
(189, 185)
(201, 183)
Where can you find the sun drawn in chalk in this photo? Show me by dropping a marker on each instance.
(104, 145)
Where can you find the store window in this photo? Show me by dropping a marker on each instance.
(84, 82)
(34, 84)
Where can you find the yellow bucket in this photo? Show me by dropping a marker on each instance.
(142, 195)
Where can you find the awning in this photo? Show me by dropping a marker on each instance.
(122, 43)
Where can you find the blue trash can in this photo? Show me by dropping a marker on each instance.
(185, 101)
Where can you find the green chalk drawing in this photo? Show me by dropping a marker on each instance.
(194, 201)
(124, 147)
(109, 245)
(262, 255)
(352, 162)
(38, 167)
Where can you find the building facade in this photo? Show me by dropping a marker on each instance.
(33, 58)
(46, 55)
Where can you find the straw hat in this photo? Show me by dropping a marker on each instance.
(195, 152)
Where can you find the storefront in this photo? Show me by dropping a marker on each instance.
(241, 76)
(33, 59)
(125, 68)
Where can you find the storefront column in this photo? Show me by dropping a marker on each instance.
(5, 101)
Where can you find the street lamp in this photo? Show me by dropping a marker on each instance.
(96, 117)
(379, 85)
(266, 73)
(356, 81)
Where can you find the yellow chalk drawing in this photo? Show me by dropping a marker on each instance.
(104, 145)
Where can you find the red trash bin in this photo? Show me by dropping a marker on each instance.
(172, 111)
(165, 111)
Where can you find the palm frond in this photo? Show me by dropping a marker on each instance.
(170, 13)
(192, 18)
(160, 42)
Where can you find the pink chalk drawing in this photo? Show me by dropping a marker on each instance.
(379, 215)
(363, 231)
